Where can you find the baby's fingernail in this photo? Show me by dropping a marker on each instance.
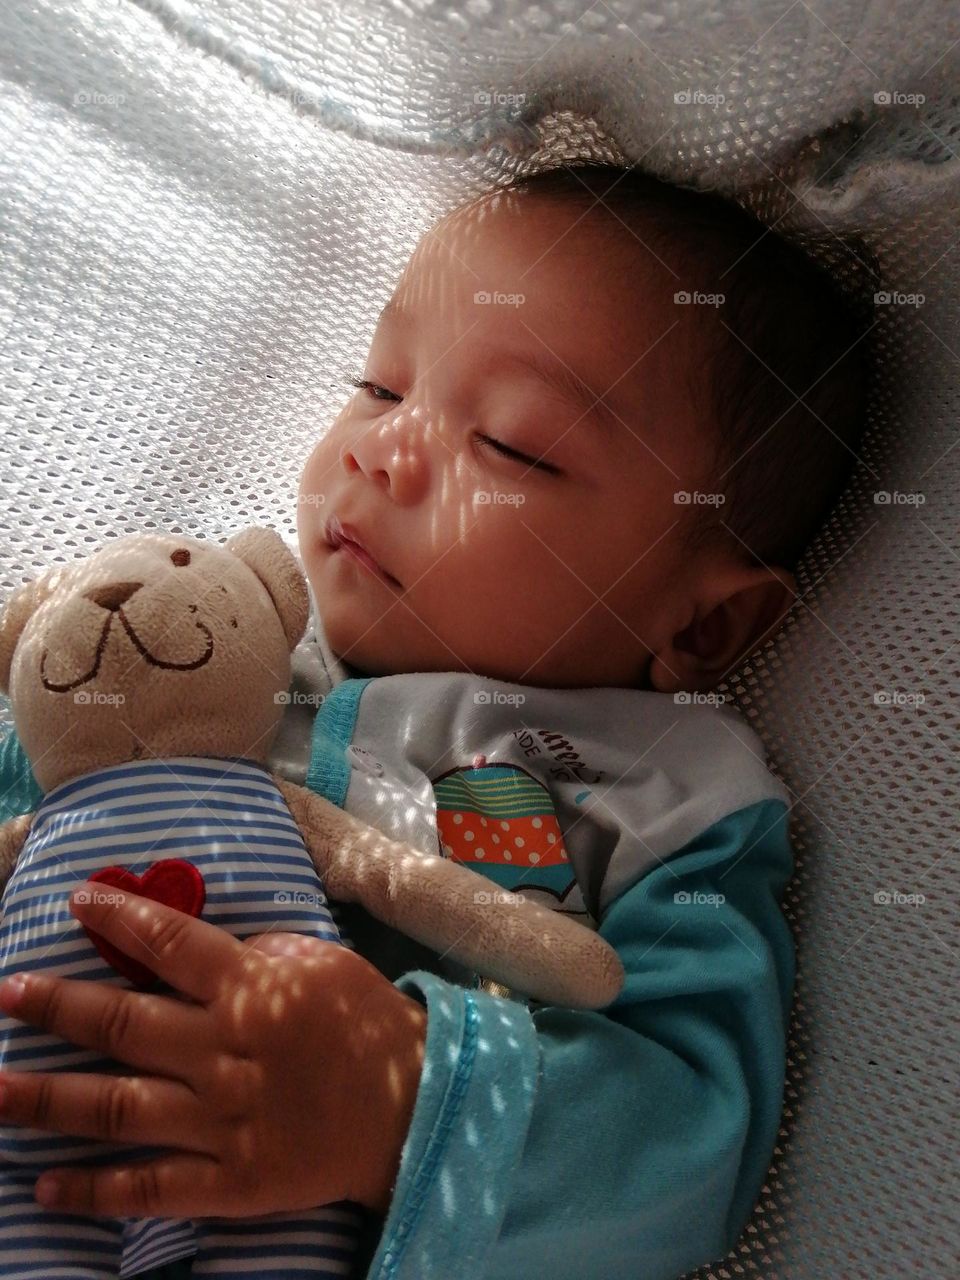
(12, 990)
(47, 1190)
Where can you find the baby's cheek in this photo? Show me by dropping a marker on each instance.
(515, 591)
(523, 551)
(316, 471)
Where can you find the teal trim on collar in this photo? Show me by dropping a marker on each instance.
(333, 726)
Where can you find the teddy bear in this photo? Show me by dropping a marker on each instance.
(147, 683)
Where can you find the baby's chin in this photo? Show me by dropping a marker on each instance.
(377, 636)
(355, 633)
(388, 645)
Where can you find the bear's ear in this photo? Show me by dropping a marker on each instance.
(17, 612)
(266, 553)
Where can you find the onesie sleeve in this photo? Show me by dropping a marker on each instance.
(629, 1143)
(19, 791)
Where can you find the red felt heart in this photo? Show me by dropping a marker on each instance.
(172, 881)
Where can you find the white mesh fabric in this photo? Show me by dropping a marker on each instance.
(200, 217)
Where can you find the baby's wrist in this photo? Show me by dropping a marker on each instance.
(405, 1056)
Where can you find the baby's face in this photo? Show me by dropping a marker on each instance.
(555, 556)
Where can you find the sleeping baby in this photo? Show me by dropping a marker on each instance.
(599, 421)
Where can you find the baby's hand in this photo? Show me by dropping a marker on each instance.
(286, 1081)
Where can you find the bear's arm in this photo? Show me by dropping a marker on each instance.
(448, 907)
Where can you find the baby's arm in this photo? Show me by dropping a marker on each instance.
(19, 796)
(626, 1143)
(12, 835)
(19, 792)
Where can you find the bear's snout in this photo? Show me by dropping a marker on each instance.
(113, 595)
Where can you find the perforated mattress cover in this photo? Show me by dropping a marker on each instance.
(201, 213)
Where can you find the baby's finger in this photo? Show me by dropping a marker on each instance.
(285, 944)
(159, 1034)
(112, 1108)
(191, 955)
(170, 1187)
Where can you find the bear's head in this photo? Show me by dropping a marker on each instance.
(157, 645)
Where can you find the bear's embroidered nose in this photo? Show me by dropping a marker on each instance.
(113, 595)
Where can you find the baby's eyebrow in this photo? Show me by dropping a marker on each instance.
(552, 371)
(561, 378)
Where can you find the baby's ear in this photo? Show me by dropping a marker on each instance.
(15, 615)
(740, 607)
(266, 553)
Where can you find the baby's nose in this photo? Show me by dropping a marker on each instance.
(393, 454)
(113, 595)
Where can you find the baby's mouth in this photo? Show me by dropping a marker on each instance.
(343, 538)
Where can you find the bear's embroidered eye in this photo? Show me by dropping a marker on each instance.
(181, 557)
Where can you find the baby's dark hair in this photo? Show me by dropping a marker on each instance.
(783, 331)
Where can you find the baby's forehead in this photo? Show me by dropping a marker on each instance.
(504, 284)
(564, 280)
(531, 235)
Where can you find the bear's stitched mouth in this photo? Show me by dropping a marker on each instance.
(141, 648)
